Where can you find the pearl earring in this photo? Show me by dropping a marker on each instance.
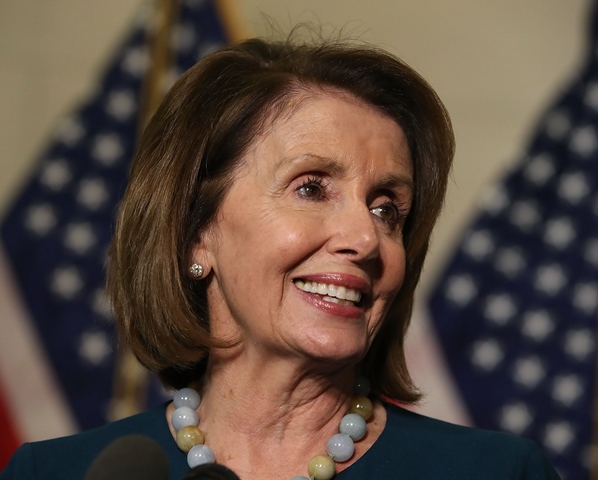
(196, 270)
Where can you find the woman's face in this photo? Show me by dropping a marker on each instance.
(307, 251)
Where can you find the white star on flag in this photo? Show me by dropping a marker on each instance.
(510, 261)
(537, 325)
(92, 193)
(94, 347)
(66, 282)
(540, 169)
(583, 140)
(515, 418)
(107, 149)
(80, 237)
(55, 174)
(529, 372)
(478, 245)
(121, 104)
(41, 219)
(461, 289)
(487, 354)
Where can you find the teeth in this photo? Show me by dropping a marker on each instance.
(332, 293)
(352, 296)
(337, 300)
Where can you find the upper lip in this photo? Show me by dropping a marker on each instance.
(339, 279)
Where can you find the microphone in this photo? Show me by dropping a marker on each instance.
(210, 471)
(132, 457)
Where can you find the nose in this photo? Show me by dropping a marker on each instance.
(354, 234)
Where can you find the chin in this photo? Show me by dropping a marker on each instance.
(334, 350)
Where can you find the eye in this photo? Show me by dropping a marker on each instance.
(313, 188)
(390, 212)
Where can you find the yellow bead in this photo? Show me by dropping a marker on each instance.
(362, 406)
(321, 467)
(189, 436)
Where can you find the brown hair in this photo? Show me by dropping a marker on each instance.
(184, 167)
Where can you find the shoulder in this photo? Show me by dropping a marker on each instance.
(420, 428)
(428, 448)
(70, 457)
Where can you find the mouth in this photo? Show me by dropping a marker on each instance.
(331, 293)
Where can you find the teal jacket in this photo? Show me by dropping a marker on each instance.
(411, 447)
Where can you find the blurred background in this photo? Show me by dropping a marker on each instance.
(494, 64)
(498, 66)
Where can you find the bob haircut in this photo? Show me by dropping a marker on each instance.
(184, 167)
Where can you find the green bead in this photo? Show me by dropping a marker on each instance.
(321, 467)
(362, 406)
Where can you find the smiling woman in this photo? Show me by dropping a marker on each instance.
(267, 100)
(327, 228)
(267, 250)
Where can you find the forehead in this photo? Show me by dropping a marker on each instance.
(332, 124)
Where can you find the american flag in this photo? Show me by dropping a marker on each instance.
(57, 345)
(516, 309)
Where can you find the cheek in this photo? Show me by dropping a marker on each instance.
(295, 244)
(394, 269)
(272, 242)
(288, 233)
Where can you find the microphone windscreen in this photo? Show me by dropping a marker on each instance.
(132, 457)
(210, 471)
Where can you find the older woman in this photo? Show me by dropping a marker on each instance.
(267, 250)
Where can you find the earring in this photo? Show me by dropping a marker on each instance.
(196, 270)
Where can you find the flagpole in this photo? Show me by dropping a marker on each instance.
(153, 88)
(130, 378)
(233, 26)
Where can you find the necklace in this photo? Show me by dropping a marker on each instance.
(339, 448)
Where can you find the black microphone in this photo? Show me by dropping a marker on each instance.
(210, 471)
(132, 457)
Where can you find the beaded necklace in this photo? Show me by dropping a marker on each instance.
(339, 448)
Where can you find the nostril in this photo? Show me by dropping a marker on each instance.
(348, 251)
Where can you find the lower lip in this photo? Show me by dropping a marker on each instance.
(347, 311)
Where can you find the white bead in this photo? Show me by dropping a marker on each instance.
(186, 397)
(199, 455)
(340, 447)
(183, 417)
(353, 425)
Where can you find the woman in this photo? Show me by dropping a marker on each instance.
(267, 250)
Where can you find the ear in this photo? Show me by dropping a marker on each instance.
(200, 265)
(201, 255)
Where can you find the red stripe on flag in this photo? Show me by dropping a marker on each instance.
(9, 438)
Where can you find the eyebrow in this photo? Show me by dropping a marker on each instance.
(325, 163)
(390, 181)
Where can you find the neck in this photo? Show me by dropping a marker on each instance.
(266, 419)
(275, 398)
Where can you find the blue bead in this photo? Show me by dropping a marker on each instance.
(340, 447)
(200, 454)
(187, 397)
(353, 425)
(184, 416)
(362, 386)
